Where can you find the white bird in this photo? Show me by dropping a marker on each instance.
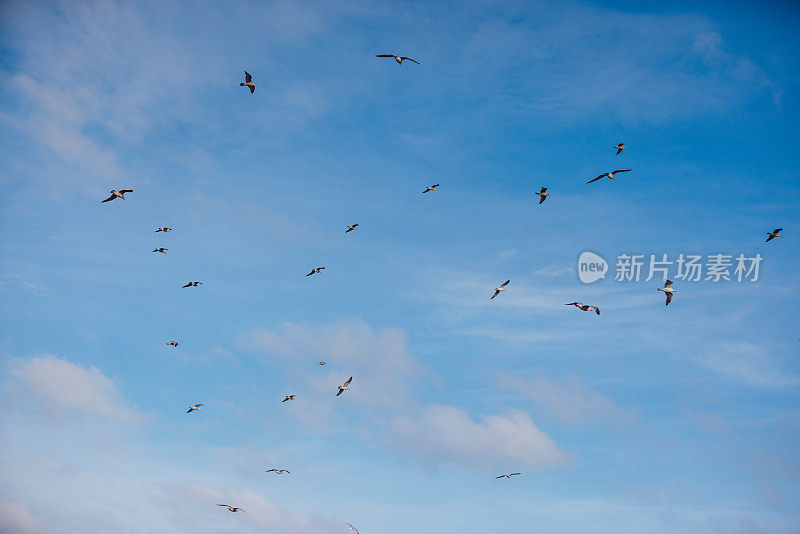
(161, 250)
(344, 386)
(172, 343)
(668, 291)
(543, 194)
(195, 408)
(278, 471)
(351, 227)
(315, 271)
(620, 147)
(497, 290)
(288, 398)
(430, 188)
(193, 284)
(231, 508)
(608, 174)
(164, 229)
(117, 194)
(399, 59)
(248, 82)
(584, 307)
(773, 234)
(508, 475)
(354, 529)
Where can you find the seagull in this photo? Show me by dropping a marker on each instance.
(288, 397)
(508, 475)
(165, 229)
(172, 343)
(773, 234)
(351, 227)
(620, 147)
(584, 307)
(322, 363)
(195, 408)
(497, 290)
(354, 529)
(193, 284)
(278, 471)
(430, 188)
(667, 289)
(231, 508)
(161, 250)
(315, 271)
(344, 386)
(399, 59)
(117, 194)
(609, 174)
(543, 194)
(248, 82)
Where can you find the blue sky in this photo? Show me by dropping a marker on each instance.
(644, 419)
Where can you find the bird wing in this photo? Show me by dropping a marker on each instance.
(309, 274)
(596, 309)
(348, 381)
(512, 474)
(504, 284)
(619, 150)
(543, 190)
(247, 77)
(409, 59)
(595, 179)
(621, 170)
(437, 185)
(668, 283)
(384, 55)
(270, 470)
(189, 410)
(669, 298)
(187, 285)
(348, 230)
(223, 505)
(496, 292)
(339, 392)
(541, 199)
(252, 89)
(354, 529)
(112, 197)
(123, 191)
(320, 268)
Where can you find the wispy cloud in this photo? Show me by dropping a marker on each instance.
(62, 385)
(15, 518)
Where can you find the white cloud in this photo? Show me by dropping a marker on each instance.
(449, 436)
(60, 384)
(570, 400)
(16, 519)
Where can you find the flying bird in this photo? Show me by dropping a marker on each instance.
(399, 59)
(351, 227)
(620, 147)
(668, 291)
(315, 271)
(584, 307)
(354, 529)
(497, 290)
(288, 397)
(231, 508)
(193, 284)
(430, 188)
(278, 471)
(773, 234)
(609, 174)
(164, 229)
(195, 408)
(248, 82)
(543, 194)
(508, 475)
(344, 386)
(161, 250)
(117, 194)
(172, 343)
(322, 363)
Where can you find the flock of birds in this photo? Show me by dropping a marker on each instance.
(668, 290)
